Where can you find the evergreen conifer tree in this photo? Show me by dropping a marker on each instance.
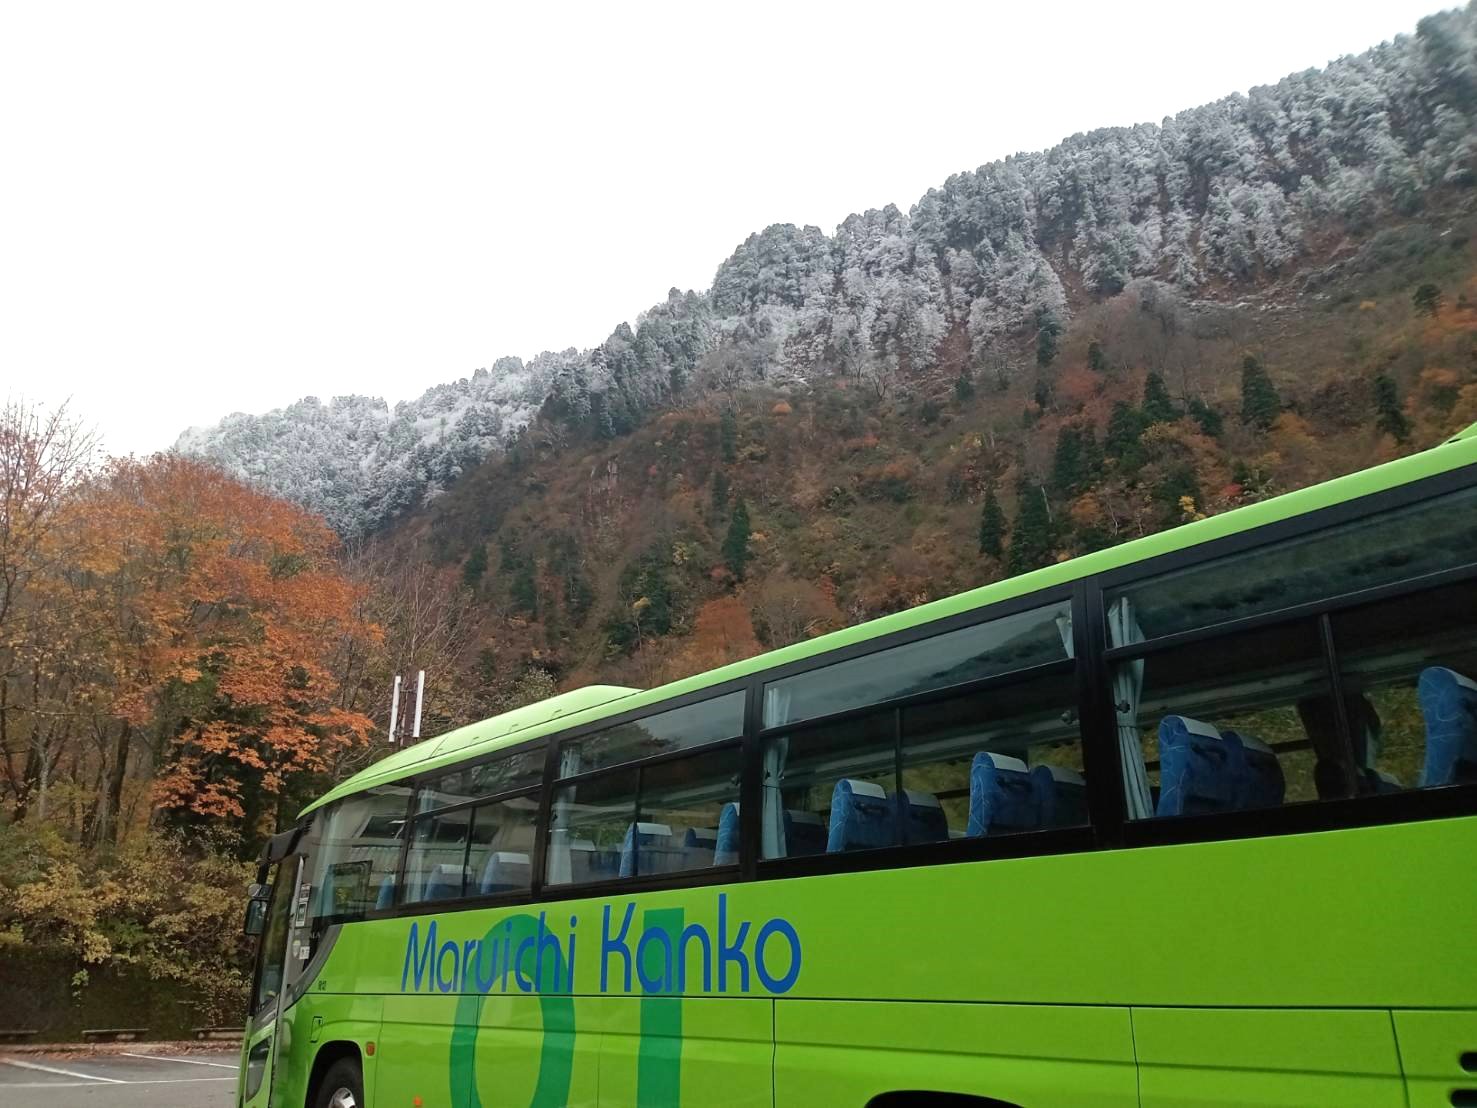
(1260, 404)
(1030, 542)
(475, 566)
(736, 542)
(1068, 465)
(728, 436)
(1097, 361)
(1049, 330)
(992, 526)
(1158, 408)
(523, 589)
(1427, 299)
(1209, 419)
(1391, 418)
(1125, 427)
(964, 386)
(720, 489)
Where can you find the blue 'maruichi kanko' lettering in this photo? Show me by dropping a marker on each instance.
(609, 946)
(661, 959)
(421, 958)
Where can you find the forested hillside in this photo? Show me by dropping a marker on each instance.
(755, 518)
(1216, 202)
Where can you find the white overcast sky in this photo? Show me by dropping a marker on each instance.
(210, 207)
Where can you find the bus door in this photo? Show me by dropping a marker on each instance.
(269, 980)
(281, 958)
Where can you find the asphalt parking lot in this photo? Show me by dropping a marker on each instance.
(141, 1079)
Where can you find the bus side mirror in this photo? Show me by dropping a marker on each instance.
(256, 913)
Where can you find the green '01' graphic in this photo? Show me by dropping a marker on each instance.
(659, 1062)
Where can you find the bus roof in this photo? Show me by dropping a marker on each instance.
(598, 701)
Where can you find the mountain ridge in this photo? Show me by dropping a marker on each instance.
(1213, 201)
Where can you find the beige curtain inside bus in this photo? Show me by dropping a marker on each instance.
(1128, 684)
(772, 836)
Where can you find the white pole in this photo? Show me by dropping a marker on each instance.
(394, 707)
(420, 688)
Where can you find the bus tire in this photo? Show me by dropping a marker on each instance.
(342, 1086)
(918, 1098)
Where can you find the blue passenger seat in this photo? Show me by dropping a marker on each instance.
(386, 896)
(1260, 783)
(444, 882)
(506, 871)
(921, 817)
(647, 849)
(1002, 796)
(805, 833)
(583, 862)
(1449, 704)
(1203, 770)
(698, 847)
(1061, 794)
(861, 817)
(726, 849)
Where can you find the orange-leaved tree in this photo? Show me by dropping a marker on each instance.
(224, 607)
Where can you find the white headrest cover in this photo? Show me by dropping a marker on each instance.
(1251, 743)
(1005, 761)
(1463, 680)
(922, 799)
(582, 844)
(512, 857)
(866, 788)
(1201, 728)
(653, 829)
(1069, 776)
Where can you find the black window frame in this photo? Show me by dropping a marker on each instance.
(490, 799)
(1092, 659)
(1053, 840)
(554, 782)
(1409, 805)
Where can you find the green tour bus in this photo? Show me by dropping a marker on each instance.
(1190, 821)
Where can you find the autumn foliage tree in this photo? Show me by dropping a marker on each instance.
(253, 607)
(186, 640)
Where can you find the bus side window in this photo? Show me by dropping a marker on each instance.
(1213, 724)
(648, 797)
(1001, 760)
(1413, 661)
(352, 868)
(1223, 724)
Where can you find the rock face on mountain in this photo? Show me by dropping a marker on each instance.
(1215, 201)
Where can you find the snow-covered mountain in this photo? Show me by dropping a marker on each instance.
(1230, 195)
(360, 463)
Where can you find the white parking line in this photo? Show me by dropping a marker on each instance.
(96, 1080)
(63, 1073)
(186, 1061)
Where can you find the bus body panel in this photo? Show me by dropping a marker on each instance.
(835, 1052)
(1224, 1057)
(661, 1050)
(411, 1055)
(1362, 917)
(1433, 1047)
(1016, 973)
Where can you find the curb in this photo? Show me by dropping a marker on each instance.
(179, 1046)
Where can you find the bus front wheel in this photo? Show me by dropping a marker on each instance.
(342, 1086)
